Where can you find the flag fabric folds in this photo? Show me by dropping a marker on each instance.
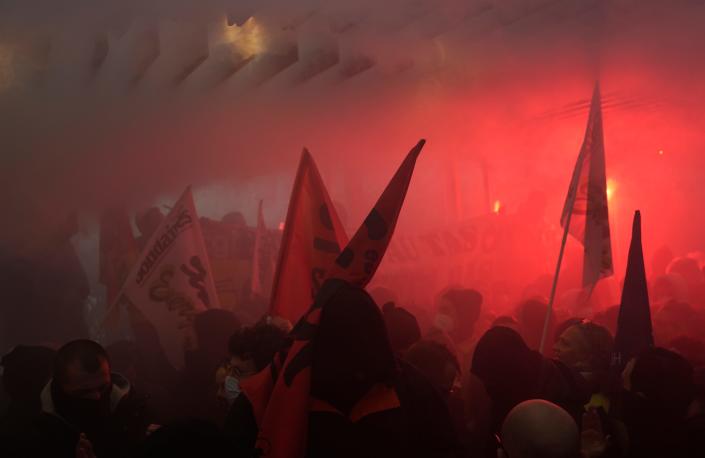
(634, 330)
(585, 209)
(363, 254)
(312, 239)
(280, 394)
(172, 282)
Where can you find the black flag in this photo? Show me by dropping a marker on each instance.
(634, 332)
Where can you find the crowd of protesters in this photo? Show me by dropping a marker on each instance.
(466, 383)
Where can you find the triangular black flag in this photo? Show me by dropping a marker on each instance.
(634, 331)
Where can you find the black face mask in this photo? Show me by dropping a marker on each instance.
(86, 414)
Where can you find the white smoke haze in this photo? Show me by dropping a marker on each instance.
(105, 102)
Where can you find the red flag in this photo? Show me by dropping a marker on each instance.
(361, 257)
(172, 280)
(118, 250)
(634, 331)
(586, 202)
(312, 239)
(280, 394)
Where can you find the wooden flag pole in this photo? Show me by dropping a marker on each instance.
(552, 297)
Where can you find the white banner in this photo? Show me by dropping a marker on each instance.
(172, 282)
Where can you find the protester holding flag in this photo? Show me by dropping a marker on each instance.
(363, 402)
(280, 397)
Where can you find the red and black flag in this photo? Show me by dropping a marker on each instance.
(634, 331)
(280, 395)
(313, 237)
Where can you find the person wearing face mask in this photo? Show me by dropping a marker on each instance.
(251, 349)
(87, 411)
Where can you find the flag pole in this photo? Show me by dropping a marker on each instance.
(552, 297)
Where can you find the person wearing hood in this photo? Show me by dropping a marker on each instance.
(511, 373)
(363, 401)
(87, 411)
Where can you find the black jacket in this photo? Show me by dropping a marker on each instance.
(118, 437)
(408, 418)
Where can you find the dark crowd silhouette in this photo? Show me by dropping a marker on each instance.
(459, 381)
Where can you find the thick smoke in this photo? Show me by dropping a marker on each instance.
(128, 102)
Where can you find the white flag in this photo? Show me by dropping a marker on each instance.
(589, 222)
(172, 282)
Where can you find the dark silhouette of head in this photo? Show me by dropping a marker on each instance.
(539, 428)
(563, 325)
(690, 348)
(402, 327)
(506, 321)
(148, 221)
(531, 315)
(586, 347)
(462, 307)
(82, 383)
(665, 380)
(351, 350)
(26, 370)
(436, 362)
(257, 344)
(508, 368)
(235, 218)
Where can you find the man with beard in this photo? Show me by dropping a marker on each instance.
(87, 411)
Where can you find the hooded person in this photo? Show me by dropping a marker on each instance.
(402, 327)
(86, 408)
(657, 408)
(531, 315)
(512, 373)
(363, 402)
